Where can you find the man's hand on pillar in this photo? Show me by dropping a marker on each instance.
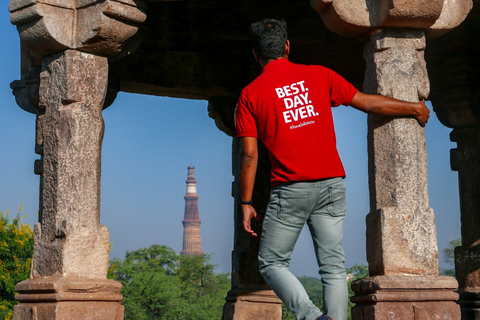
(423, 113)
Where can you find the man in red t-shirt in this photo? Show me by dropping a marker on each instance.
(288, 107)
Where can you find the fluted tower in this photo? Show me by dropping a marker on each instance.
(192, 242)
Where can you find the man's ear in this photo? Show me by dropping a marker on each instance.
(287, 48)
(256, 55)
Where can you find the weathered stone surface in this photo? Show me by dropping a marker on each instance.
(69, 239)
(62, 298)
(95, 26)
(467, 259)
(356, 18)
(401, 233)
(406, 298)
(402, 241)
(245, 304)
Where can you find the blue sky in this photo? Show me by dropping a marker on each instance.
(149, 142)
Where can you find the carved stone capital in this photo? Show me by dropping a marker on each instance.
(95, 26)
(103, 27)
(356, 18)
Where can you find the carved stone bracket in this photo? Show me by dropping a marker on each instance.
(222, 110)
(104, 27)
(356, 18)
(94, 26)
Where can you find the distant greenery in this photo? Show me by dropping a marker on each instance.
(314, 288)
(160, 284)
(16, 251)
(449, 257)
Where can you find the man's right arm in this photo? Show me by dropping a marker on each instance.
(248, 169)
(377, 104)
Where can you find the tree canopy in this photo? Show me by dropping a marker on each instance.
(160, 284)
(16, 251)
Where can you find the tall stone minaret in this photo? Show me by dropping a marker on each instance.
(192, 242)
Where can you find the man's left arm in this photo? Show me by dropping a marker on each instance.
(377, 104)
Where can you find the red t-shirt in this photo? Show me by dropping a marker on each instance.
(288, 107)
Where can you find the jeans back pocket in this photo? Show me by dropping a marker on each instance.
(293, 206)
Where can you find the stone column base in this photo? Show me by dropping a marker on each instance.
(66, 298)
(405, 298)
(469, 304)
(248, 304)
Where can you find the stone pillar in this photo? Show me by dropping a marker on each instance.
(457, 104)
(64, 81)
(250, 297)
(401, 238)
(71, 247)
(466, 160)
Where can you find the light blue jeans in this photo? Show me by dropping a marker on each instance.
(322, 205)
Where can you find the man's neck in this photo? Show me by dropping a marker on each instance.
(263, 63)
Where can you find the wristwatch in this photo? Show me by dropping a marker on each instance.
(248, 203)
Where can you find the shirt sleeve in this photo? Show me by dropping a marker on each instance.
(341, 91)
(245, 123)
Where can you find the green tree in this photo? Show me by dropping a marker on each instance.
(16, 251)
(449, 257)
(358, 271)
(159, 284)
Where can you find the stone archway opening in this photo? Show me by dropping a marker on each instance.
(148, 144)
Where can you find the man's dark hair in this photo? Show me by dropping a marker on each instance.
(269, 37)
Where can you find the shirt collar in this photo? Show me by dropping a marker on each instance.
(275, 63)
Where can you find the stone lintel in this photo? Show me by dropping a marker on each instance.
(251, 303)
